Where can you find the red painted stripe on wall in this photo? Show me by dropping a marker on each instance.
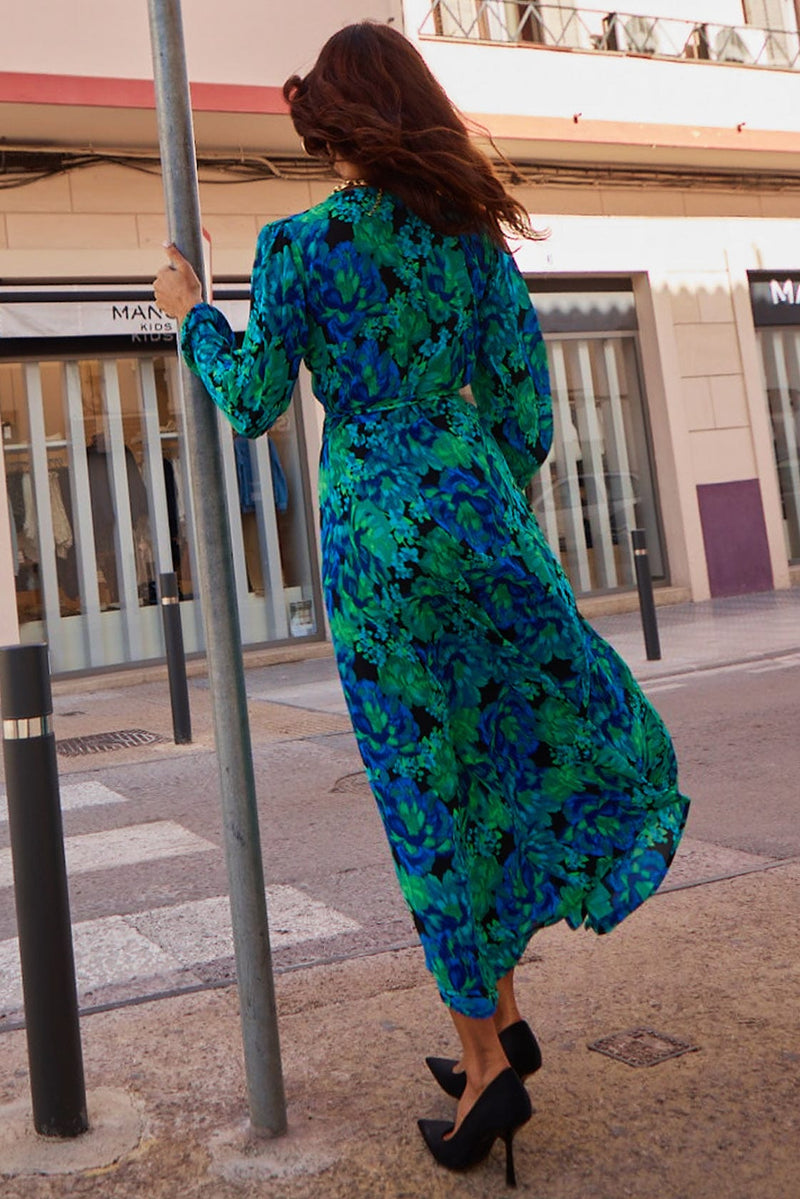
(97, 91)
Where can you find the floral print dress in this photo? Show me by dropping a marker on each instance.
(521, 775)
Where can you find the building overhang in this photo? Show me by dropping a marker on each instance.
(105, 114)
(119, 114)
(557, 140)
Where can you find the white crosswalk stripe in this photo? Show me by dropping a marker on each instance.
(162, 947)
(158, 945)
(201, 931)
(75, 796)
(120, 847)
(106, 951)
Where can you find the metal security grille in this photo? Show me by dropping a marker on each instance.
(642, 1047)
(780, 354)
(597, 485)
(98, 743)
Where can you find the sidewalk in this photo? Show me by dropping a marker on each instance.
(714, 966)
(708, 635)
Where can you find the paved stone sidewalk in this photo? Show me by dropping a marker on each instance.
(714, 967)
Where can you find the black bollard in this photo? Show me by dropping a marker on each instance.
(40, 890)
(176, 659)
(644, 583)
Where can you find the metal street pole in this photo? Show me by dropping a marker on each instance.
(218, 597)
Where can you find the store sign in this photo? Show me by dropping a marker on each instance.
(139, 319)
(776, 299)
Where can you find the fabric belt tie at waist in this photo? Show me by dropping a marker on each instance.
(377, 407)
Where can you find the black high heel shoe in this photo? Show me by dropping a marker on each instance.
(502, 1108)
(520, 1047)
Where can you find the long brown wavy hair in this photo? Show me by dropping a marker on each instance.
(370, 99)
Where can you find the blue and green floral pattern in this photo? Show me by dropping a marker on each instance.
(521, 775)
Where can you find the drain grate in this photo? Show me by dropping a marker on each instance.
(352, 784)
(98, 743)
(642, 1047)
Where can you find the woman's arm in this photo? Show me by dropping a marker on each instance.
(511, 383)
(252, 385)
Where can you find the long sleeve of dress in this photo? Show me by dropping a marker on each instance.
(253, 385)
(511, 384)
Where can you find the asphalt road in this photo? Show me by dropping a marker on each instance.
(736, 734)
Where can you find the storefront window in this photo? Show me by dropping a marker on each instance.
(776, 311)
(597, 483)
(780, 353)
(99, 505)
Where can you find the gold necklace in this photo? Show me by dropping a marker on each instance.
(347, 183)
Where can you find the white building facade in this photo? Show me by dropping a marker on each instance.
(660, 149)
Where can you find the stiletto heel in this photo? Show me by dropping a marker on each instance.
(511, 1175)
(520, 1047)
(502, 1108)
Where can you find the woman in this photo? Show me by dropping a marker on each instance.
(521, 775)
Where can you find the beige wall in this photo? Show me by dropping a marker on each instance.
(108, 222)
(242, 41)
(700, 358)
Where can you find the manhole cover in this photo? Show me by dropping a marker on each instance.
(352, 783)
(642, 1047)
(98, 743)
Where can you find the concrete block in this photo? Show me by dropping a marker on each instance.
(225, 231)
(573, 201)
(729, 402)
(684, 304)
(232, 230)
(81, 262)
(630, 201)
(722, 204)
(107, 189)
(152, 230)
(701, 296)
(714, 300)
(47, 195)
(722, 455)
(697, 404)
(229, 262)
(70, 231)
(780, 204)
(284, 196)
(708, 349)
